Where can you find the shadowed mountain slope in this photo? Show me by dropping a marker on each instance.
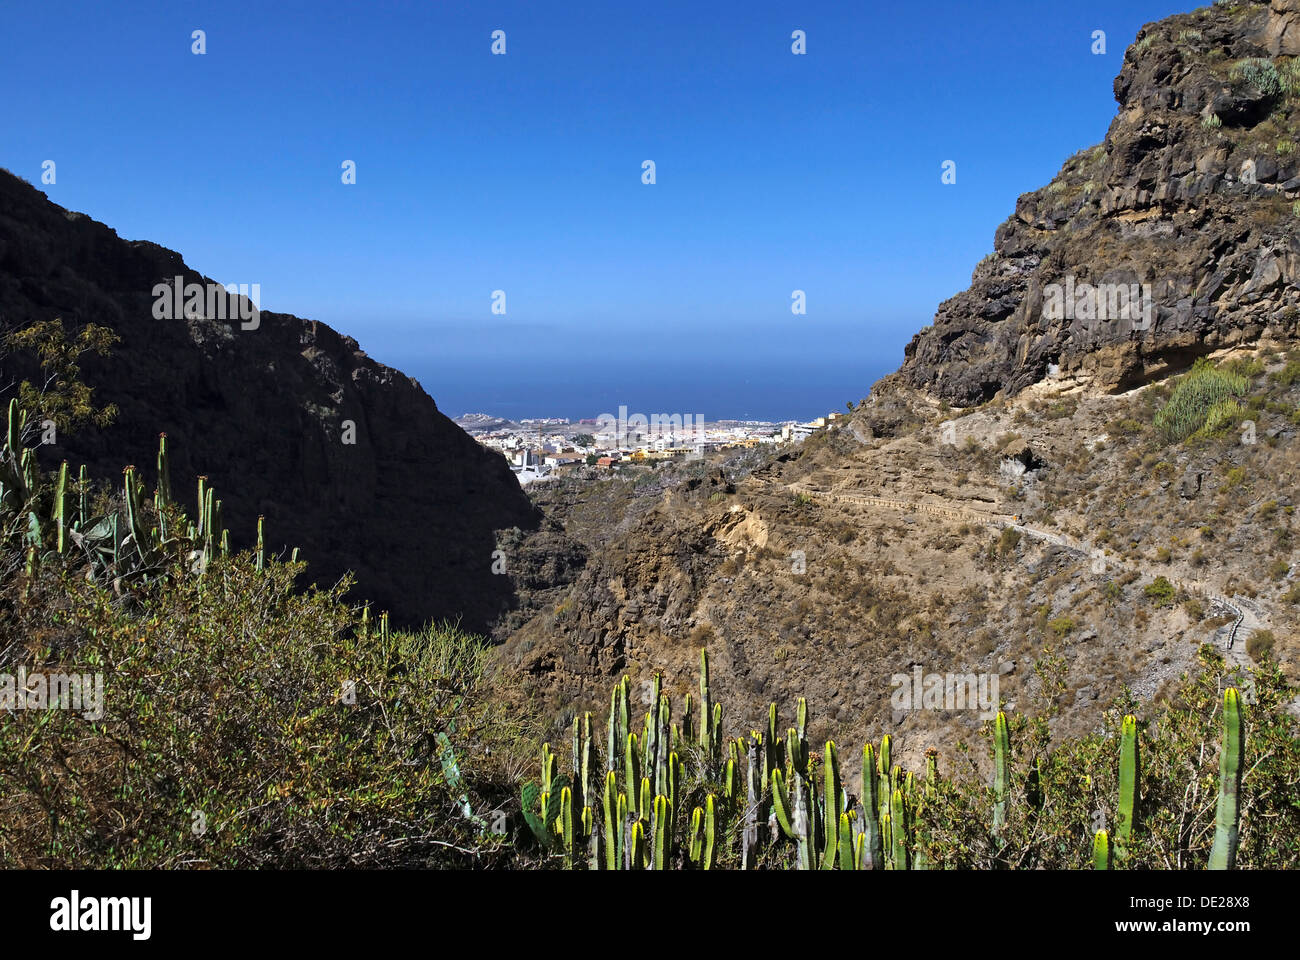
(411, 507)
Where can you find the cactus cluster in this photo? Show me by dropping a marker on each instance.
(768, 800)
(120, 548)
(762, 799)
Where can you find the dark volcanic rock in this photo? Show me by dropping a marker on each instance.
(412, 507)
(1189, 195)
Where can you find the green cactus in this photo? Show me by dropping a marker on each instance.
(1001, 775)
(663, 727)
(883, 766)
(83, 498)
(696, 849)
(715, 748)
(781, 804)
(17, 420)
(531, 797)
(592, 836)
(749, 835)
(568, 838)
(801, 825)
(846, 854)
(613, 736)
(1128, 787)
(831, 803)
(60, 504)
(586, 760)
(631, 772)
(163, 492)
(134, 515)
(771, 747)
(1223, 855)
(706, 715)
(636, 846)
(874, 855)
(610, 815)
(899, 823)
(621, 815)
(710, 831)
(660, 851)
(1101, 851)
(887, 831)
(549, 768)
(259, 558)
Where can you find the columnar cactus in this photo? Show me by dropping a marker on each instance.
(883, 765)
(845, 847)
(163, 492)
(1101, 851)
(874, 854)
(831, 801)
(612, 817)
(696, 849)
(83, 497)
(710, 831)
(1223, 855)
(592, 836)
(1128, 787)
(802, 826)
(899, 821)
(631, 772)
(781, 804)
(706, 715)
(60, 504)
(660, 850)
(1001, 774)
(636, 848)
(749, 838)
(569, 839)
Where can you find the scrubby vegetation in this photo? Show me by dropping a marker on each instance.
(243, 722)
(1209, 781)
(1204, 400)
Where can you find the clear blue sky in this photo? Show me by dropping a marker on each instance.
(522, 172)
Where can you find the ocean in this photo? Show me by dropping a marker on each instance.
(773, 389)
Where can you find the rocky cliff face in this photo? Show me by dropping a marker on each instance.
(1191, 197)
(411, 507)
(885, 544)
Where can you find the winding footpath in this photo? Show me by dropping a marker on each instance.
(1247, 616)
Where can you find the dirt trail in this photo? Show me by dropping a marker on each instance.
(1248, 616)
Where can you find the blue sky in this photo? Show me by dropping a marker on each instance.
(522, 173)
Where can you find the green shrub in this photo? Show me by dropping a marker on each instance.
(1160, 592)
(1260, 73)
(1260, 644)
(1061, 626)
(1200, 394)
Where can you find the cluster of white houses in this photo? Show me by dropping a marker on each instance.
(536, 454)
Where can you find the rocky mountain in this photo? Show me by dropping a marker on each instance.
(1192, 194)
(1013, 504)
(348, 459)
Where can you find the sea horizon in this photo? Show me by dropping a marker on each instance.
(772, 390)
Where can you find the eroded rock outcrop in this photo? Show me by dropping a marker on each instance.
(1189, 203)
